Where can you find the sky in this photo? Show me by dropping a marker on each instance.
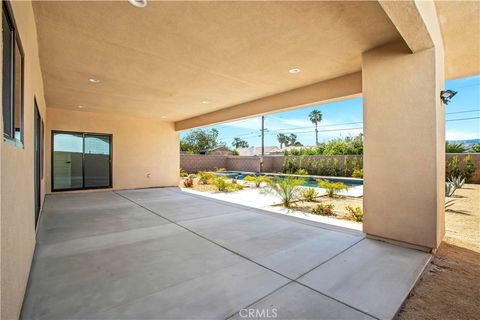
(343, 118)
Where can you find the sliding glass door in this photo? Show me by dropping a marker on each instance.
(81, 160)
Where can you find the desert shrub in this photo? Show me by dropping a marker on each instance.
(449, 189)
(453, 167)
(188, 182)
(455, 147)
(287, 189)
(323, 209)
(183, 173)
(258, 180)
(205, 177)
(309, 194)
(457, 181)
(234, 186)
(469, 168)
(332, 188)
(302, 172)
(475, 147)
(356, 213)
(290, 165)
(220, 183)
(357, 173)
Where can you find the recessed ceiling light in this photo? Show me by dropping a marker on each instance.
(163, 117)
(205, 102)
(294, 70)
(93, 80)
(80, 107)
(138, 3)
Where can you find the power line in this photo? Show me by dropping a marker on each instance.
(467, 111)
(460, 119)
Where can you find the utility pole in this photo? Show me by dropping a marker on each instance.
(263, 135)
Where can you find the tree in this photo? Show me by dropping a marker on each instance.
(292, 141)
(282, 139)
(316, 117)
(239, 143)
(199, 139)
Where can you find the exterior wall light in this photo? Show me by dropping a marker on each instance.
(447, 95)
(138, 3)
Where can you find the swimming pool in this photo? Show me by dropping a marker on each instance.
(309, 180)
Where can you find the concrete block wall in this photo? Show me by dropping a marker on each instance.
(249, 164)
(197, 162)
(461, 156)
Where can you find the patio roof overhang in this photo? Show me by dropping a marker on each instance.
(196, 63)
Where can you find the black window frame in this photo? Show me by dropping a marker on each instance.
(9, 117)
(110, 172)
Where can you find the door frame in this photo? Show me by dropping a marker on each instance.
(38, 159)
(83, 160)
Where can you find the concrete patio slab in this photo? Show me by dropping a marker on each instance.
(287, 247)
(372, 276)
(142, 255)
(289, 303)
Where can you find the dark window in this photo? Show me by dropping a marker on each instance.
(12, 78)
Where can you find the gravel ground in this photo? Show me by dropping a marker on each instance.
(450, 289)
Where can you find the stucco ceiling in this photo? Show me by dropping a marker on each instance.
(460, 25)
(167, 58)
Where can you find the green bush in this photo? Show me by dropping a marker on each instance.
(287, 189)
(356, 213)
(476, 147)
(234, 186)
(258, 180)
(332, 188)
(220, 183)
(309, 194)
(221, 170)
(469, 168)
(205, 177)
(290, 165)
(323, 209)
(302, 172)
(455, 147)
(357, 173)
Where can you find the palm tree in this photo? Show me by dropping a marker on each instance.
(282, 139)
(291, 140)
(316, 117)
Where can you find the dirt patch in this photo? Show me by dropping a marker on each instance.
(462, 219)
(449, 289)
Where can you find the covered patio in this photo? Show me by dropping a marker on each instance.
(95, 94)
(163, 253)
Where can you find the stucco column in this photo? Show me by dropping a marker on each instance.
(404, 134)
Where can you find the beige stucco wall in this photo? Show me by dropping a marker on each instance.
(17, 194)
(404, 187)
(140, 146)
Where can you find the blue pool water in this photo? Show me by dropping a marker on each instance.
(309, 181)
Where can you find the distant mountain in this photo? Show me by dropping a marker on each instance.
(467, 143)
